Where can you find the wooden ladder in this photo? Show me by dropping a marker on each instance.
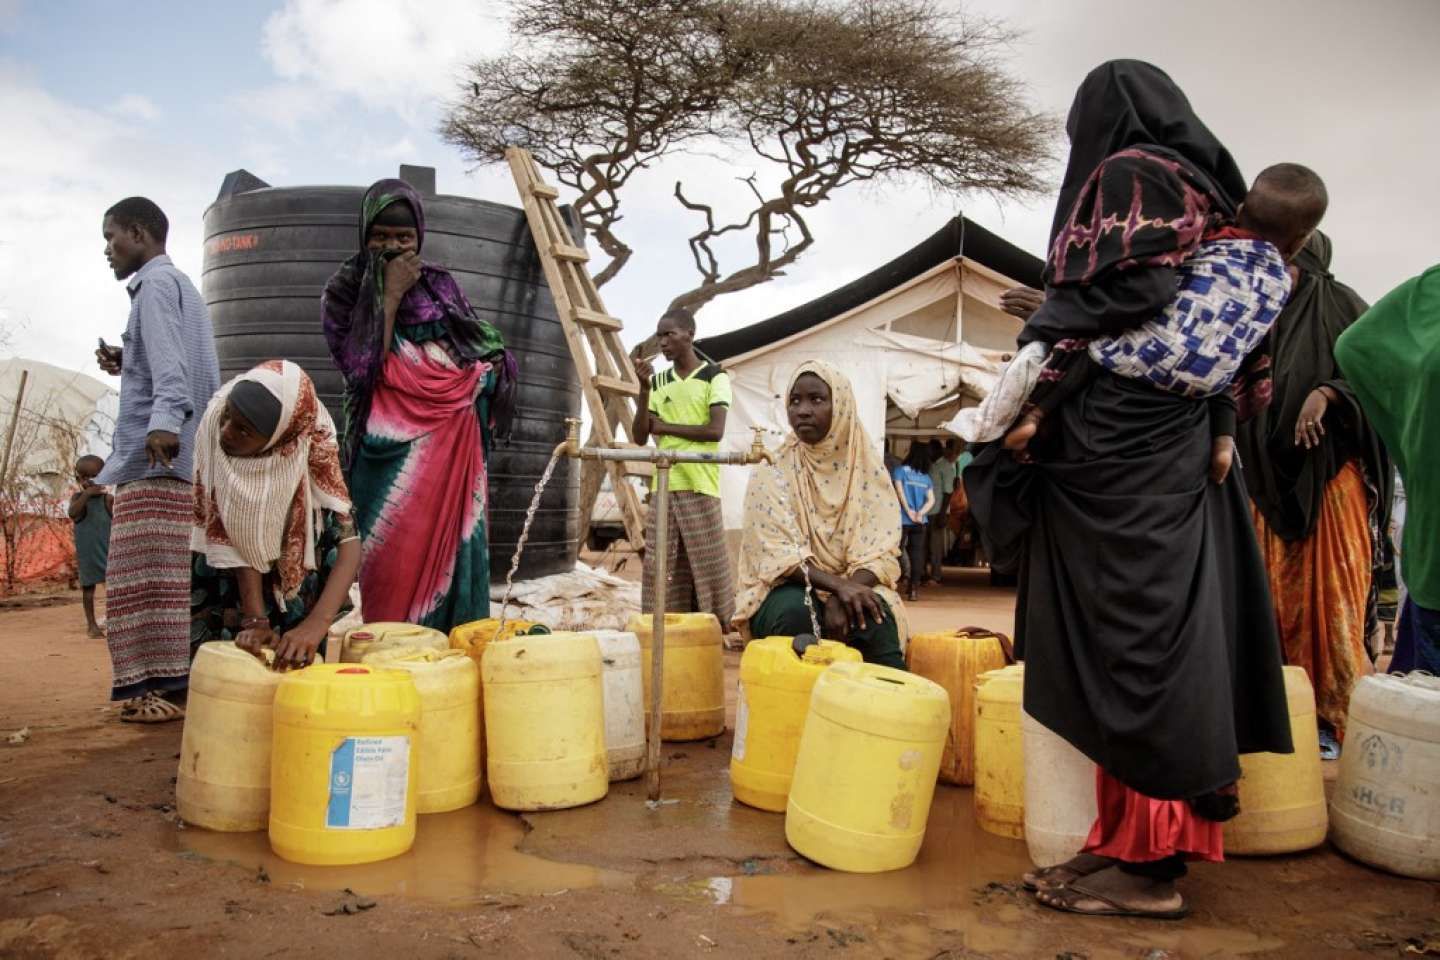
(607, 375)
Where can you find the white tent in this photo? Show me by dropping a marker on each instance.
(64, 414)
(918, 338)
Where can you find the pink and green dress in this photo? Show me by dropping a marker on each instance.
(418, 423)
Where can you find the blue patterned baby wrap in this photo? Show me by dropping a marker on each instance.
(1230, 292)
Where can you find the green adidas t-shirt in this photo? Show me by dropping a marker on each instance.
(686, 401)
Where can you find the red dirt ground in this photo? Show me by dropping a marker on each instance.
(93, 863)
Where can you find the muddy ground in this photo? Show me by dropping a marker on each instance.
(94, 863)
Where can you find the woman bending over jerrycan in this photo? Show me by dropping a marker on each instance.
(276, 548)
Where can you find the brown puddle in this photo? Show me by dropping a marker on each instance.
(943, 891)
(964, 882)
(963, 885)
(458, 857)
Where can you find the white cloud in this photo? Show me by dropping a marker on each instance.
(63, 165)
(401, 150)
(399, 54)
(135, 107)
(287, 105)
(359, 85)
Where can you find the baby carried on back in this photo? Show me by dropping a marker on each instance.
(1230, 290)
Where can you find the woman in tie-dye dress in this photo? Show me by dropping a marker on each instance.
(427, 384)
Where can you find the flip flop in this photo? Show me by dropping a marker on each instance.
(1064, 874)
(1065, 899)
(153, 709)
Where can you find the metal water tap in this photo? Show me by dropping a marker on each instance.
(570, 446)
(663, 461)
(758, 451)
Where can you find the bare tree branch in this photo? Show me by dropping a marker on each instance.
(822, 94)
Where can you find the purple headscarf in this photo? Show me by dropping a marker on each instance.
(353, 318)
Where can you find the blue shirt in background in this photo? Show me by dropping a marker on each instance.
(916, 486)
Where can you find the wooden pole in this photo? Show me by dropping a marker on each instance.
(14, 422)
(657, 625)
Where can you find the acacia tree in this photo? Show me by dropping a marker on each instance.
(816, 95)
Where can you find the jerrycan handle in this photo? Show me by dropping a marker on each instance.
(1007, 649)
(802, 642)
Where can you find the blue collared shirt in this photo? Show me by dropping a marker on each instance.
(168, 373)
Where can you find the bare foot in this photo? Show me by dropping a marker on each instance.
(1063, 874)
(1114, 893)
(1020, 435)
(95, 633)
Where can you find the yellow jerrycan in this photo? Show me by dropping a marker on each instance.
(545, 721)
(693, 700)
(472, 637)
(1385, 809)
(866, 769)
(223, 782)
(953, 659)
(772, 699)
(343, 769)
(1282, 795)
(448, 683)
(369, 637)
(1000, 753)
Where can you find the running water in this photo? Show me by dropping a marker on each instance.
(530, 518)
(520, 543)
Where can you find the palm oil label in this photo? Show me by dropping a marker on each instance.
(369, 783)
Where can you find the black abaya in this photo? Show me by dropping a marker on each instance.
(1144, 614)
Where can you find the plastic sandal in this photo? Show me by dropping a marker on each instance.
(1064, 874)
(1065, 899)
(153, 709)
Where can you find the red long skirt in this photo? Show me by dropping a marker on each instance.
(1138, 829)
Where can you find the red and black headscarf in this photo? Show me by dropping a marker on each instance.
(1144, 182)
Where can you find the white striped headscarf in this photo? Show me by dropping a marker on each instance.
(263, 512)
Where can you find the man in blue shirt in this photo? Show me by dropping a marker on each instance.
(168, 372)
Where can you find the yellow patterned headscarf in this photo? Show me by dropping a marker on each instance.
(831, 502)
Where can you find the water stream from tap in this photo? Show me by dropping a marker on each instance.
(520, 543)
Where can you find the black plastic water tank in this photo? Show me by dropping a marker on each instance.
(269, 251)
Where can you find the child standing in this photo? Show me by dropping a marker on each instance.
(684, 409)
(90, 509)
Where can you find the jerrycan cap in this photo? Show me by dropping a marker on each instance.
(362, 635)
(822, 651)
(802, 644)
(363, 671)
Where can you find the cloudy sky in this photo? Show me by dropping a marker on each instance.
(102, 100)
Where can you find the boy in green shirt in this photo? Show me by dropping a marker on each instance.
(684, 408)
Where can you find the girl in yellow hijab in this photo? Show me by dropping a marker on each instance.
(826, 504)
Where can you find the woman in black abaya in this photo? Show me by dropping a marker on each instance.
(1143, 616)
